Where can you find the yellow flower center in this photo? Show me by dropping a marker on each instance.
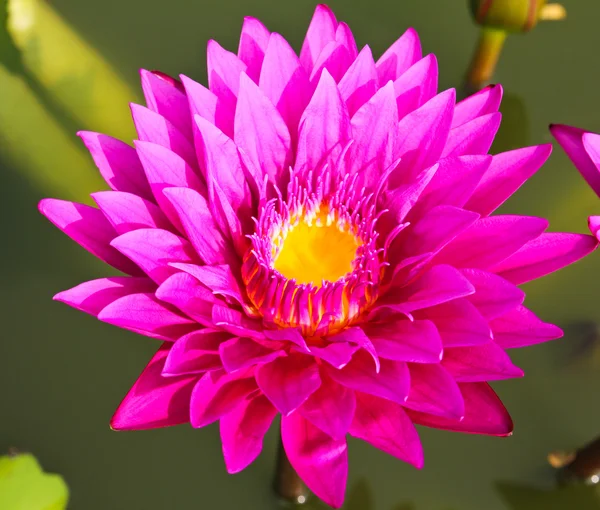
(315, 250)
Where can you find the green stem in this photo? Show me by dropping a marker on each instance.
(287, 484)
(485, 58)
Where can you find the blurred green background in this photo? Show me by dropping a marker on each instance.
(75, 66)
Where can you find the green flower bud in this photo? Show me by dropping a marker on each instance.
(514, 15)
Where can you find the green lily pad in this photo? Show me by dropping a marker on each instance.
(25, 486)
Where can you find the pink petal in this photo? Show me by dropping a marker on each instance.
(144, 313)
(213, 398)
(494, 296)
(324, 125)
(357, 336)
(153, 249)
(192, 209)
(127, 211)
(190, 296)
(584, 150)
(237, 323)
(545, 254)
(239, 353)
(243, 430)
(484, 413)
(321, 31)
(152, 127)
(392, 382)
(224, 70)
(89, 228)
(484, 102)
(487, 362)
(359, 83)
(473, 137)
(118, 163)
(422, 135)
(386, 426)
(165, 98)
(404, 340)
(335, 59)
(438, 285)
(507, 172)
(520, 328)
(219, 279)
(417, 85)
(344, 35)
(399, 57)
(454, 182)
(166, 169)
(91, 297)
(337, 355)
(594, 224)
(374, 134)
(288, 382)
(261, 132)
(331, 408)
(458, 322)
(253, 46)
(195, 353)
(205, 104)
(155, 401)
(285, 82)
(434, 391)
(321, 462)
(491, 240)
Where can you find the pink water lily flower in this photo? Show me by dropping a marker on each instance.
(312, 236)
(583, 147)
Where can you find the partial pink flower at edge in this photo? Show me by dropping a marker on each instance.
(313, 236)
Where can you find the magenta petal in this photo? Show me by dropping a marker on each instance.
(153, 249)
(324, 125)
(337, 355)
(331, 408)
(404, 340)
(285, 82)
(545, 254)
(473, 137)
(434, 391)
(224, 70)
(89, 228)
(487, 362)
(521, 327)
(127, 211)
(386, 426)
(494, 296)
(144, 313)
(152, 127)
(344, 35)
(118, 163)
(416, 85)
(484, 102)
(320, 461)
(438, 285)
(507, 172)
(91, 297)
(321, 32)
(423, 134)
(357, 336)
(359, 83)
(239, 353)
(192, 209)
(484, 413)
(190, 296)
(243, 430)
(392, 382)
(490, 240)
(399, 57)
(594, 224)
(458, 322)
(253, 46)
(165, 98)
(237, 323)
(374, 134)
(195, 353)
(583, 149)
(261, 132)
(213, 398)
(335, 59)
(288, 382)
(205, 104)
(155, 401)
